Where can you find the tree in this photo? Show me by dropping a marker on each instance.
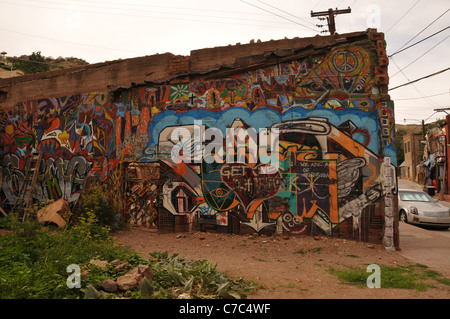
(32, 63)
(399, 133)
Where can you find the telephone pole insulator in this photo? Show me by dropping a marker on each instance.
(330, 17)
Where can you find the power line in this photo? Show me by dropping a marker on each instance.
(414, 86)
(144, 15)
(403, 15)
(253, 5)
(165, 7)
(401, 50)
(429, 117)
(317, 3)
(127, 4)
(69, 42)
(419, 98)
(422, 55)
(286, 12)
(419, 79)
(423, 122)
(424, 29)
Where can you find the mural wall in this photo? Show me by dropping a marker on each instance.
(300, 147)
(434, 158)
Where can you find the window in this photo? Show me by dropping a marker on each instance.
(415, 197)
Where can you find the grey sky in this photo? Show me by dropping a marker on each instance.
(101, 30)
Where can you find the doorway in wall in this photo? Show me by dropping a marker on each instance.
(142, 183)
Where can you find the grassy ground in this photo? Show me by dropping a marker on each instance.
(413, 276)
(34, 264)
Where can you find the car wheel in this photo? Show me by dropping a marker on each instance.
(403, 217)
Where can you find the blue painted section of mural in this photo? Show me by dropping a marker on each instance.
(264, 118)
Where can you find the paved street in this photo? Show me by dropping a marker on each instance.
(425, 246)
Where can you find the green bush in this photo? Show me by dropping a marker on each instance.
(95, 200)
(174, 276)
(88, 227)
(33, 261)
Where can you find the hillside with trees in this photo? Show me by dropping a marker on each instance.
(36, 62)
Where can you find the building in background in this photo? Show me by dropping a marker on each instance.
(435, 158)
(414, 146)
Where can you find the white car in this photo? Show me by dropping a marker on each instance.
(419, 208)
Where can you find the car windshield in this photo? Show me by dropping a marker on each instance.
(415, 197)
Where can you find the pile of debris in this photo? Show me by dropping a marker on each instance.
(131, 280)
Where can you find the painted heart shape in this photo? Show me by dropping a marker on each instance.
(251, 184)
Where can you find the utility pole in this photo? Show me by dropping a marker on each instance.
(330, 17)
(423, 129)
(443, 110)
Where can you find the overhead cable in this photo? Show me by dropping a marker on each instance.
(285, 12)
(278, 15)
(414, 86)
(419, 79)
(403, 16)
(401, 50)
(423, 97)
(422, 55)
(430, 24)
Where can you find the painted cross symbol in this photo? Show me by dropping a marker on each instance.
(192, 96)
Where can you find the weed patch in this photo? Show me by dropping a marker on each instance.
(412, 276)
(34, 261)
(311, 250)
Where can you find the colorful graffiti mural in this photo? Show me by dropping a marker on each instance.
(74, 136)
(333, 133)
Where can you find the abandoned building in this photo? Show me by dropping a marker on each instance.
(328, 167)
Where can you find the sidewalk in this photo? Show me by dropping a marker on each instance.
(420, 245)
(425, 247)
(445, 200)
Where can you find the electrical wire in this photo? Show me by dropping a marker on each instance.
(401, 50)
(420, 79)
(286, 12)
(431, 23)
(403, 16)
(70, 42)
(172, 16)
(418, 125)
(419, 98)
(421, 55)
(414, 86)
(128, 4)
(253, 5)
(317, 3)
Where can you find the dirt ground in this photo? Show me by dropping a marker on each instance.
(286, 267)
